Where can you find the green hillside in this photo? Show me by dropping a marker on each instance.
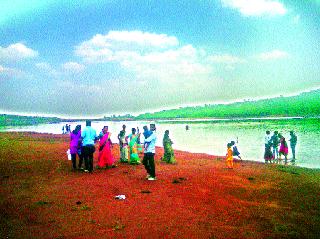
(17, 120)
(304, 105)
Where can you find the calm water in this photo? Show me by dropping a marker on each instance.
(212, 136)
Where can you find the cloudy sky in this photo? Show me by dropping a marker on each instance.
(95, 58)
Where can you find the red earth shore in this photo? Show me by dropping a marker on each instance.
(41, 197)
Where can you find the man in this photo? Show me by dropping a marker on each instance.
(149, 152)
(275, 144)
(89, 136)
(123, 145)
(268, 156)
(293, 142)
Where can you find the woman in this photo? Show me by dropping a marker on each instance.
(168, 150)
(105, 158)
(283, 148)
(75, 147)
(134, 157)
(123, 145)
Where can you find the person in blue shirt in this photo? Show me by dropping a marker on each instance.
(149, 152)
(89, 137)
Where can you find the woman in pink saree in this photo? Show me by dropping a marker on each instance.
(105, 158)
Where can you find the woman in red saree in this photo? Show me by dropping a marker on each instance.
(105, 158)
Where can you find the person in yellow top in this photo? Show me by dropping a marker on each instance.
(229, 158)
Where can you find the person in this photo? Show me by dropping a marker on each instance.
(283, 149)
(268, 156)
(134, 157)
(67, 128)
(293, 142)
(235, 150)
(146, 134)
(123, 145)
(138, 132)
(168, 150)
(229, 158)
(149, 152)
(88, 136)
(105, 158)
(275, 144)
(75, 145)
(62, 129)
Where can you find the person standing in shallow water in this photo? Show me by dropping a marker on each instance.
(268, 156)
(275, 144)
(168, 150)
(293, 142)
(149, 152)
(75, 147)
(283, 149)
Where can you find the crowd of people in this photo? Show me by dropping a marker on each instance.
(276, 146)
(83, 143)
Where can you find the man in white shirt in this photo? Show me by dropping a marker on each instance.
(149, 152)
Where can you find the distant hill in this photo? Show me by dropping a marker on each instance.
(17, 120)
(303, 105)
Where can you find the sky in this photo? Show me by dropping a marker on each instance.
(98, 58)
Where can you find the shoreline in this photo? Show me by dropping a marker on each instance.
(201, 154)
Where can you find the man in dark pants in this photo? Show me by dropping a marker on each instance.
(89, 137)
(293, 142)
(149, 152)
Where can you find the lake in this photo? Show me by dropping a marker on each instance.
(212, 136)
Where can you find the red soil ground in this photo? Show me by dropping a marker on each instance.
(41, 197)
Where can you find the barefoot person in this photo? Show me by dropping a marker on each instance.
(75, 147)
(149, 152)
(268, 156)
(168, 150)
(275, 145)
(293, 142)
(89, 136)
(235, 150)
(105, 158)
(283, 149)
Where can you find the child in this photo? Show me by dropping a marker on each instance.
(235, 150)
(229, 158)
(283, 149)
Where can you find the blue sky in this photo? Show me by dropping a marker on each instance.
(96, 58)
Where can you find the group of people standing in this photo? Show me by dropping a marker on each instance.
(82, 143)
(276, 146)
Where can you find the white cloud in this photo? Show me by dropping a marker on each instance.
(273, 55)
(11, 72)
(147, 54)
(43, 66)
(73, 67)
(102, 47)
(256, 7)
(17, 51)
(226, 59)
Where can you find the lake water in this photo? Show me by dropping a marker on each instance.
(211, 136)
